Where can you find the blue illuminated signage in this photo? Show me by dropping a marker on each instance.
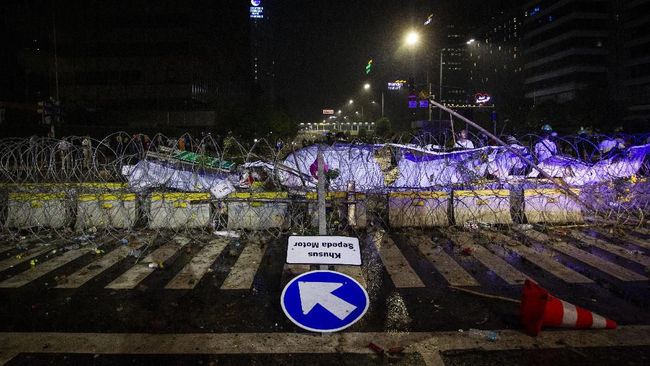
(257, 12)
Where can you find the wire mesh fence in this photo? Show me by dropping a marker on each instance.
(82, 187)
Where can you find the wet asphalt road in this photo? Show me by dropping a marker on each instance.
(150, 308)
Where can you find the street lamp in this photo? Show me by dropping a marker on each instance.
(366, 86)
(412, 38)
(351, 101)
(470, 41)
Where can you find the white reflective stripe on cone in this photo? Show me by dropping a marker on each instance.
(598, 321)
(569, 315)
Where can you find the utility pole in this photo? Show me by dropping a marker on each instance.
(440, 88)
(56, 58)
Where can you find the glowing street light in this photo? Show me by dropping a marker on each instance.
(351, 101)
(412, 38)
(366, 86)
(471, 41)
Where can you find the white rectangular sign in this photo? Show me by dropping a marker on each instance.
(323, 250)
(328, 111)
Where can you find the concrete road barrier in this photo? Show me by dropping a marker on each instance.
(179, 210)
(418, 209)
(108, 210)
(27, 210)
(551, 205)
(257, 210)
(491, 206)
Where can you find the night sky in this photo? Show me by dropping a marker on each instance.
(320, 47)
(323, 46)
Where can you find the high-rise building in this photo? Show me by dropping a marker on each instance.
(567, 47)
(636, 66)
(262, 51)
(132, 64)
(453, 73)
(495, 64)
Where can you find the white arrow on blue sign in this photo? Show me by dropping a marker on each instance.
(324, 301)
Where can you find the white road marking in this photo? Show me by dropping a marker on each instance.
(97, 267)
(625, 237)
(25, 256)
(192, 273)
(41, 270)
(611, 269)
(131, 278)
(614, 249)
(493, 262)
(453, 272)
(401, 273)
(281, 343)
(354, 272)
(242, 274)
(544, 262)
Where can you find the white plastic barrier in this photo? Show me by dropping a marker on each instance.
(107, 210)
(26, 210)
(179, 210)
(418, 209)
(257, 210)
(551, 205)
(355, 213)
(490, 206)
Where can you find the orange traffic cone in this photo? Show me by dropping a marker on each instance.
(539, 308)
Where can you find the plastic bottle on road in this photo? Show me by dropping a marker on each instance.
(489, 335)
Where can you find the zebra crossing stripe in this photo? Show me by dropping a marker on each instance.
(443, 263)
(97, 267)
(41, 270)
(542, 261)
(614, 249)
(625, 237)
(5, 248)
(494, 263)
(242, 274)
(295, 269)
(192, 273)
(401, 273)
(131, 278)
(426, 343)
(25, 256)
(354, 272)
(641, 230)
(611, 269)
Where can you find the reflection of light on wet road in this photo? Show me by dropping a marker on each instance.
(397, 315)
(373, 266)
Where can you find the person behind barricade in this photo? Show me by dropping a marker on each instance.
(519, 166)
(611, 145)
(64, 153)
(546, 147)
(463, 142)
(584, 147)
(86, 146)
(119, 146)
(181, 143)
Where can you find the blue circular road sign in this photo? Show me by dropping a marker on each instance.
(324, 301)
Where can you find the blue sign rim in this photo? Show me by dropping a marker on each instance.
(284, 309)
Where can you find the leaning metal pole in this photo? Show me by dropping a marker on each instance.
(559, 182)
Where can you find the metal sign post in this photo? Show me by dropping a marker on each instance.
(322, 221)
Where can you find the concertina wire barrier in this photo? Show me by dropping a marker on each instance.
(78, 187)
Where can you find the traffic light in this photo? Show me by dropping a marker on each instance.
(369, 67)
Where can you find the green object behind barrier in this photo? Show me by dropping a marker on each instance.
(204, 160)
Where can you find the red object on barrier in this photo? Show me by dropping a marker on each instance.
(539, 308)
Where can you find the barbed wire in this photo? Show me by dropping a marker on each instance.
(80, 187)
